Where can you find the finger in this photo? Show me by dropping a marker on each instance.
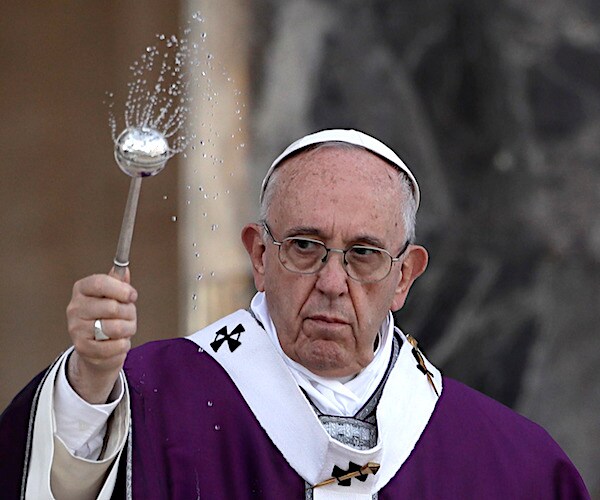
(93, 308)
(103, 354)
(102, 285)
(118, 329)
(121, 273)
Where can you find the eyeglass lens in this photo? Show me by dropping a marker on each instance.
(362, 263)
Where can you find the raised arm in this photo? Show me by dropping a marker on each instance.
(94, 365)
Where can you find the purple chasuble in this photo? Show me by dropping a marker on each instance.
(195, 437)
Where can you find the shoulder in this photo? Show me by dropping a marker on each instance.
(166, 362)
(484, 417)
(494, 436)
(158, 350)
(506, 455)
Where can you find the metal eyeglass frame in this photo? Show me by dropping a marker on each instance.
(337, 250)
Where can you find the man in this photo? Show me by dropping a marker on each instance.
(310, 393)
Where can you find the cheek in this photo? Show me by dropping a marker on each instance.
(280, 292)
(287, 294)
(372, 307)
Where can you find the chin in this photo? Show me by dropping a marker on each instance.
(328, 359)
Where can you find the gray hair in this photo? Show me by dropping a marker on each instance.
(407, 198)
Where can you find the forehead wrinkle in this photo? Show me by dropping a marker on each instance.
(302, 167)
(318, 173)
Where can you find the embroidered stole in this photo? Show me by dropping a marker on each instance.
(401, 406)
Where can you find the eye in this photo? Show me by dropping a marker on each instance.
(364, 251)
(360, 254)
(303, 245)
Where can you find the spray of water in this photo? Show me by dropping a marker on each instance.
(156, 120)
(157, 108)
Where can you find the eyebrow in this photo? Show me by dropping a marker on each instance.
(311, 231)
(303, 230)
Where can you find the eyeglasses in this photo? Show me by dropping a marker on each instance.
(362, 263)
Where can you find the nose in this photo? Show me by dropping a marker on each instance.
(332, 279)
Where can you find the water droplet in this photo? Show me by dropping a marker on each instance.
(199, 276)
(214, 227)
(173, 218)
(212, 273)
(204, 214)
(165, 197)
(155, 390)
(209, 403)
(197, 254)
(194, 296)
(217, 427)
(200, 349)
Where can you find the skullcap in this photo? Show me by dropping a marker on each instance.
(350, 137)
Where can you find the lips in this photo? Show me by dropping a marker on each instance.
(327, 322)
(327, 319)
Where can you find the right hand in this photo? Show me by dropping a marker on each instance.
(94, 366)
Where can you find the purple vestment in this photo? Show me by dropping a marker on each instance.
(195, 437)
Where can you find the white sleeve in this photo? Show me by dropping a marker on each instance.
(54, 471)
(80, 425)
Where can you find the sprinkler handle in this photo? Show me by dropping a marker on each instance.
(121, 260)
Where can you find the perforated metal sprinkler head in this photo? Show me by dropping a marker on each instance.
(140, 152)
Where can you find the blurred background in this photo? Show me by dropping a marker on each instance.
(495, 105)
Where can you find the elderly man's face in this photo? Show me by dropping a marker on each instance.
(327, 321)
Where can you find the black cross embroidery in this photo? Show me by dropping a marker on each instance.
(343, 477)
(232, 339)
(352, 467)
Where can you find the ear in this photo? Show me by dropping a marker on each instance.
(253, 242)
(413, 266)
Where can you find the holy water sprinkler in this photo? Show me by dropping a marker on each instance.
(139, 152)
(156, 111)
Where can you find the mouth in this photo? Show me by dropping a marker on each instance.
(327, 321)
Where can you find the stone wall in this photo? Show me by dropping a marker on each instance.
(496, 107)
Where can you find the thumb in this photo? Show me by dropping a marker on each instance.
(121, 273)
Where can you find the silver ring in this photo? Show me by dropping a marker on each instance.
(98, 333)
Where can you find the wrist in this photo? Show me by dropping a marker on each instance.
(91, 383)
